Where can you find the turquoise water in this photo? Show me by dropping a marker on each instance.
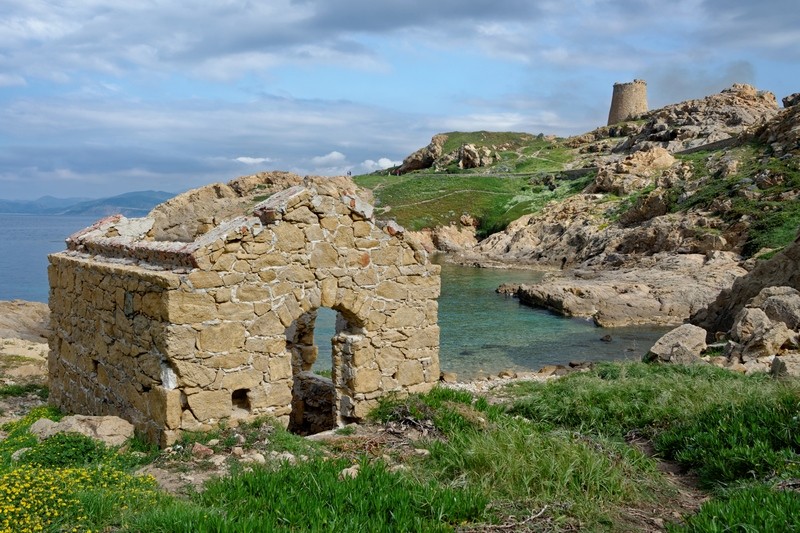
(482, 332)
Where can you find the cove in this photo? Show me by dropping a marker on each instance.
(483, 333)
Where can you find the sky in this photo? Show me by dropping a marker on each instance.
(102, 97)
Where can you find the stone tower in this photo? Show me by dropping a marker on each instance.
(629, 100)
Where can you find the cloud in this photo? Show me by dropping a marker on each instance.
(332, 158)
(133, 95)
(382, 163)
(253, 160)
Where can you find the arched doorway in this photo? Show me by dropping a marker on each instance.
(321, 343)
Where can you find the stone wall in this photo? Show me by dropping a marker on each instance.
(629, 100)
(179, 336)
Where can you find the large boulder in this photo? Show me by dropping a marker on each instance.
(112, 430)
(24, 320)
(684, 344)
(767, 326)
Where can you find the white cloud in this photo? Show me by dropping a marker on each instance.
(253, 160)
(383, 163)
(331, 159)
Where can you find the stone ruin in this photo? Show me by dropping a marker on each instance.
(179, 335)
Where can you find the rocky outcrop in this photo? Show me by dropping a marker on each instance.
(453, 238)
(24, 320)
(471, 156)
(764, 337)
(783, 134)
(664, 289)
(781, 270)
(424, 157)
(577, 230)
(632, 173)
(791, 100)
(711, 119)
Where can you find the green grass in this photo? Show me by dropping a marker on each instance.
(556, 455)
(750, 509)
(312, 497)
(615, 398)
(419, 201)
(8, 391)
(754, 438)
(584, 479)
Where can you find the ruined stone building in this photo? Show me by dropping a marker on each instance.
(178, 329)
(629, 100)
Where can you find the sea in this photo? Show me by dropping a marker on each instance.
(482, 332)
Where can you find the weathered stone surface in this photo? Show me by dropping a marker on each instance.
(661, 289)
(221, 337)
(781, 270)
(111, 430)
(181, 335)
(208, 405)
(683, 344)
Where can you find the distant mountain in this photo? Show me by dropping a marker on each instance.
(132, 204)
(38, 206)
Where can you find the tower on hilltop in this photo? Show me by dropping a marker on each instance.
(629, 100)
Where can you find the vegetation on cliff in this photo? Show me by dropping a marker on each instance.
(733, 179)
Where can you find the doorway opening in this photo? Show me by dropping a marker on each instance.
(314, 375)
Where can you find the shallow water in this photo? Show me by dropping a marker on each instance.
(483, 332)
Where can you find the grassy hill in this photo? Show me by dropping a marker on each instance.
(529, 172)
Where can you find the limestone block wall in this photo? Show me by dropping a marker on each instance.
(627, 101)
(191, 334)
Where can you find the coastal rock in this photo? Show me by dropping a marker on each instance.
(683, 345)
(783, 269)
(454, 238)
(791, 100)
(766, 326)
(663, 289)
(694, 123)
(634, 172)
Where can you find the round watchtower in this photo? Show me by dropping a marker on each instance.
(629, 100)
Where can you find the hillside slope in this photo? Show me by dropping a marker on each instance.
(710, 178)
